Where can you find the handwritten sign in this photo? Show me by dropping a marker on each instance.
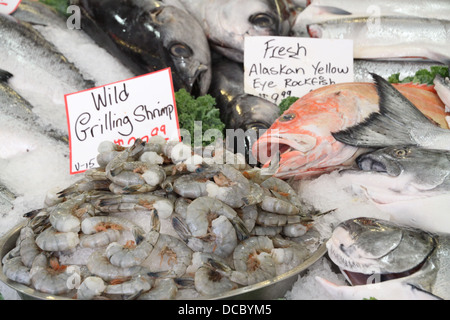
(120, 112)
(9, 6)
(279, 67)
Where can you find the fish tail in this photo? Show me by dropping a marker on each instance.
(393, 123)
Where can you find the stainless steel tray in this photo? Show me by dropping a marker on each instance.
(266, 290)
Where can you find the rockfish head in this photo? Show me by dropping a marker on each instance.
(303, 136)
(364, 247)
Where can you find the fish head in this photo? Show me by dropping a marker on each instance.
(185, 43)
(229, 22)
(303, 136)
(247, 118)
(400, 173)
(369, 246)
(147, 36)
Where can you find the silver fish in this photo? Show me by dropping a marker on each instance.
(15, 106)
(398, 122)
(227, 23)
(238, 110)
(409, 183)
(362, 68)
(38, 13)
(384, 260)
(26, 51)
(150, 35)
(389, 37)
(437, 9)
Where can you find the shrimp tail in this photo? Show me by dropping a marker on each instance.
(241, 230)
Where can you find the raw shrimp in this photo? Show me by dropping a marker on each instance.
(201, 258)
(114, 167)
(100, 239)
(233, 188)
(15, 270)
(266, 231)
(194, 185)
(209, 281)
(288, 254)
(248, 214)
(96, 224)
(164, 289)
(52, 240)
(294, 230)
(64, 217)
(107, 151)
(199, 210)
(84, 185)
(180, 206)
(133, 255)
(151, 174)
(28, 248)
(279, 206)
(177, 151)
(90, 288)
(135, 203)
(99, 265)
(252, 261)
(55, 280)
(175, 252)
(221, 239)
(268, 219)
(283, 190)
(140, 283)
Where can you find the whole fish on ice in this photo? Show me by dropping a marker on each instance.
(398, 122)
(389, 37)
(384, 260)
(15, 106)
(227, 23)
(303, 134)
(238, 110)
(26, 52)
(149, 35)
(411, 184)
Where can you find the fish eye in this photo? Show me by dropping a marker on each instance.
(180, 50)
(287, 117)
(401, 153)
(262, 20)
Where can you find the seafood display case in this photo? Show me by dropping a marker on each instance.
(350, 179)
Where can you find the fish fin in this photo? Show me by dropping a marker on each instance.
(5, 75)
(333, 10)
(391, 125)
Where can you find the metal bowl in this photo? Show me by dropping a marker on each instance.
(266, 290)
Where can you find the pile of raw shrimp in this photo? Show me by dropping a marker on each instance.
(158, 221)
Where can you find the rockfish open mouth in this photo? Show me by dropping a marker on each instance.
(267, 147)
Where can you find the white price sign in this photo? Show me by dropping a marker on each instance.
(279, 67)
(120, 112)
(9, 6)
